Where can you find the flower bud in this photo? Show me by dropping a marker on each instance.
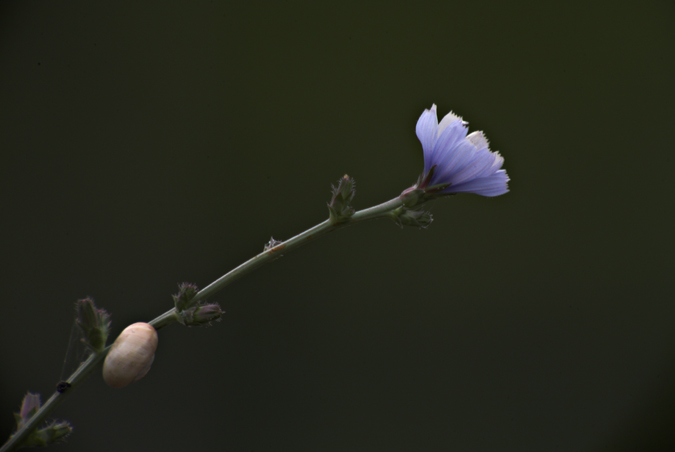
(191, 312)
(207, 313)
(201, 315)
(56, 431)
(340, 206)
(183, 299)
(94, 323)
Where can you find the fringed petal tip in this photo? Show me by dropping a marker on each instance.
(478, 139)
(449, 119)
(490, 186)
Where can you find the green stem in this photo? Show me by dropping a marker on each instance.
(81, 374)
(317, 231)
(169, 317)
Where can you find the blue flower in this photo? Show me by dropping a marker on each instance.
(455, 162)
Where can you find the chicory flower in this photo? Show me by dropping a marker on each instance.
(455, 162)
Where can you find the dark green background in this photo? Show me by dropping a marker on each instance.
(150, 143)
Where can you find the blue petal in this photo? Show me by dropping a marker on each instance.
(493, 185)
(426, 132)
(453, 161)
(449, 136)
(483, 164)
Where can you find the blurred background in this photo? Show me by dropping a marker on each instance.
(150, 143)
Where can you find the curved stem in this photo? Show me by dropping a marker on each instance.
(169, 317)
(317, 231)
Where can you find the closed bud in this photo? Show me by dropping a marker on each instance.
(340, 206)
(201, 315)
(183, 299)
(207, 313)
(94, 323)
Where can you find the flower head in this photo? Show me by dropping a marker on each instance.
(455, 162)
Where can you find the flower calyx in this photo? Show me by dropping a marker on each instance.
(412, 196)
(422, 192)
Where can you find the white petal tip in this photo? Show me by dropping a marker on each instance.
(478, 139)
